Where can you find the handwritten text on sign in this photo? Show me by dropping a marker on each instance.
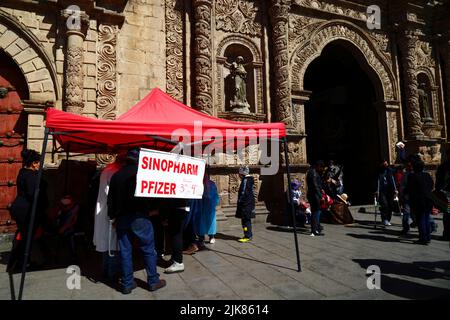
(169, 175)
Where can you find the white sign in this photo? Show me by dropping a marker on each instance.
(169, 175)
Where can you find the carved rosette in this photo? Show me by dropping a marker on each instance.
(73, 101)
(411, 84)
(279, 16)
(203, 56)
(237, 16)
(174, 51)
(106, 72)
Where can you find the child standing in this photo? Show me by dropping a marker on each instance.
(246, 203)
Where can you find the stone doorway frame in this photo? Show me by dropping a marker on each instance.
(370, 59)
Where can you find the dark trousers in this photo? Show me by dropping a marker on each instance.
(315, 221)
(158, 229)
(386, 202)
(446, 221)
(139, 226)
(175, 230)
(424, 227)
(247, 227)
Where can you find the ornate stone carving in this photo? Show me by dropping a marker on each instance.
(393, 133)
(279, 16)
(203, 56)
(382, 41)
(238, 16)
(411, 84)
(174, 45)
(73, 101)
(330, 31)
(106, 72)
(233, 188)
(76, 23)
(257, 65)
(300, 28)
(333, 8)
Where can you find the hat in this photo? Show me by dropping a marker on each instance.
(343, 197)
(295, 184)
(244, 170)
(133, 154)
(400, 145)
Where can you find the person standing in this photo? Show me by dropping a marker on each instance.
(105, 236)
(22, 205)
(443, 184)
(386, 191)
(419, 188)
(246, 203)
(404, 196)
(132, 218)
(314, 195)
(204, 211)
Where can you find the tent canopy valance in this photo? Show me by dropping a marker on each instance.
(152, 122)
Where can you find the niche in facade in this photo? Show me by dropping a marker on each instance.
(425, 98)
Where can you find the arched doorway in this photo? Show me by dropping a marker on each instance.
(13, 128)
(342, 123)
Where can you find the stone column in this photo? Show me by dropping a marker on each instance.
(76, 24)
(411, 85)
(279, 17)
(203, 56)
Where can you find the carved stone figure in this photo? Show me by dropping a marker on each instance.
(424, 103)
(239, 76)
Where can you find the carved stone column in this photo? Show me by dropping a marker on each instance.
(76, 24)
(279, 17)
(410, 42)
(203, 56)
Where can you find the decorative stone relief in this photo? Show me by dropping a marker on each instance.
(333, 8)
(279, 16)
(330, 31)
(411, 83)
(382, 41)
(74, 80)
(393, 133)
(233, 188)
(203, 56)
(238, 16)
(300, 29)
(174, 51)
(106, 72)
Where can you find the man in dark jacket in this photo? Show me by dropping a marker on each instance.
(419, 188)
(386, 191)
(314, 195)
(132, 217)
(246, 203)
(443, 183)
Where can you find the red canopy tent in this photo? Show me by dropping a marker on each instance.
(150, 123)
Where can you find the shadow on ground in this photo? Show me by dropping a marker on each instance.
(409, 289)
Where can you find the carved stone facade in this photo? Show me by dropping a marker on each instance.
(124, 48)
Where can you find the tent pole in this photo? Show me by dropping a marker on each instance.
(66, 169)
(33, 214)
(291, 204)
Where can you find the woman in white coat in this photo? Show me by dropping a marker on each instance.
(105, 237)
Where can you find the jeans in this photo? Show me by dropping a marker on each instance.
(424, 227)
(247, 227)
(386, 202)
(175, 230)
(128, 227)
(315, 221)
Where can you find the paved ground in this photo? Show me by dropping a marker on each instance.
(334, 267)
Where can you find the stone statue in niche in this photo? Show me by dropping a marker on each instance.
(239, 76)
(424, 103)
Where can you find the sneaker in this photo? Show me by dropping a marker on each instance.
(422, 242)
(244, 240)
(175, 267)
(156, 286)
(128, 290)
(212, 240)
(312, 235)
(191, 250)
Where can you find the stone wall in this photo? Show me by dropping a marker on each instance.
(141, 52)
